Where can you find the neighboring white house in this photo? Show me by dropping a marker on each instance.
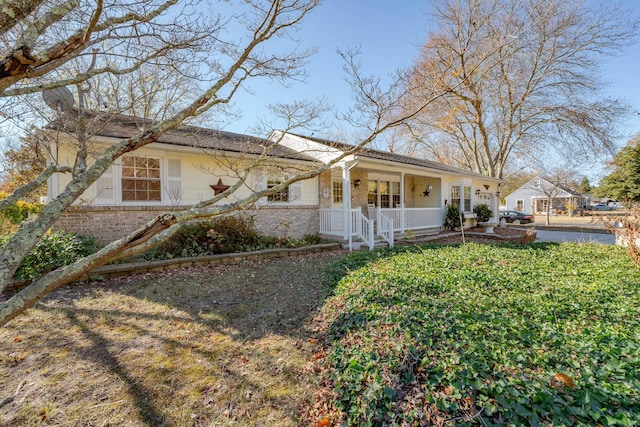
(534, 196)
(367, 194)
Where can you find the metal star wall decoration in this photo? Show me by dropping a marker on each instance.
(219, 187)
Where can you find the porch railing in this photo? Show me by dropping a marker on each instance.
(385, 228)
(332, 222)
(388, 221)
(414, 218)
(420, 218)
(362, 227)
(394, 214)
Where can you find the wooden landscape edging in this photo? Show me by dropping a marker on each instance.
(115, 270)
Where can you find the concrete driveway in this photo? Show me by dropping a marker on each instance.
(574, 236)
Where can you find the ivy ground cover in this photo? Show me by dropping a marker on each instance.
(542, 334)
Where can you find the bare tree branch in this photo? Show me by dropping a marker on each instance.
(521, 76)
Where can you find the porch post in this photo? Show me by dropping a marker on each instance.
(346, 199)
(346, 203)
(402, 219)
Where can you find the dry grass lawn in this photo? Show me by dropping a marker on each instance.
(206, 346)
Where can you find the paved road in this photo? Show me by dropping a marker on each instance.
(574, 236)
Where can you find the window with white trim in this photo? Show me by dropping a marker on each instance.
(278, 196)
(290, 194)
(520, 204)
(141, 180)
(395, 194)
(385, 196)
(149, 180)
(383, 193)
(466, 198)
(461, 197)
(372, 192)
(337, 191)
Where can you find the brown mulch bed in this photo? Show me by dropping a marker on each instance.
(479, 235)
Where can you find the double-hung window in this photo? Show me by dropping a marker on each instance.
(395, 194)
(141, 179)
(372, 192)
(280, 196)
(461, 197)
(466, 198)
(383, 193)
(148, 180)
(290, 194)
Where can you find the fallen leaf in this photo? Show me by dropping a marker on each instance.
(559, 381)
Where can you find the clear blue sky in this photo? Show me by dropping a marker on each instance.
(389, 34)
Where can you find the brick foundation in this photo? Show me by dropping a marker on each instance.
(106, 224)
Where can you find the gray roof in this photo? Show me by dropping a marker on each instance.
(393, 157)
(123, 126)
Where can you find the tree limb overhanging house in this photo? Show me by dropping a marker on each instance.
(540, 195)
(365, 196)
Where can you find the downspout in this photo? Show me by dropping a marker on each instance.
(346, 202)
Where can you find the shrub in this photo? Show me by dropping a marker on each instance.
(312, 239)
(55, 250)
(454, 219)
(223, 235)
(15, 214)
(483, 212)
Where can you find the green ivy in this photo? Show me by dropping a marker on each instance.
(476, 335)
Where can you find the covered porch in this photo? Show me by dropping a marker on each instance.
(372, 194)
(365, 205)
(384, 223)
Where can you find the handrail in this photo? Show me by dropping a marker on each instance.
(385, 228)
(363, 228)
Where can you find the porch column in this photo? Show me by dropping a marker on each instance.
(402, 219)
(346, 200)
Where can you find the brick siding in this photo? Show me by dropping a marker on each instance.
(109, 223)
